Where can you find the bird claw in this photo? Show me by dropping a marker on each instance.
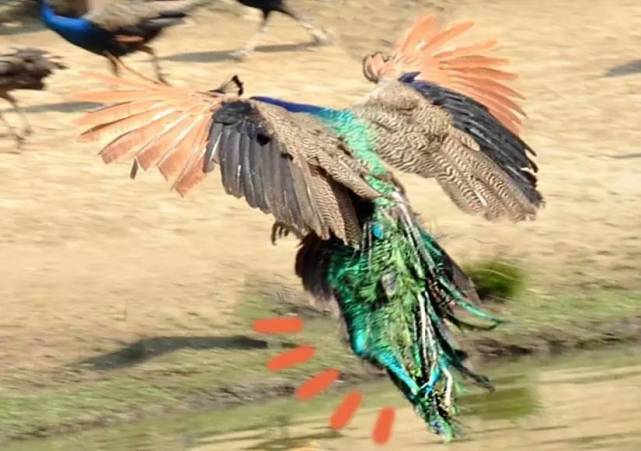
(279, 230)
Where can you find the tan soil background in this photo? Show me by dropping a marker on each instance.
(90, 260)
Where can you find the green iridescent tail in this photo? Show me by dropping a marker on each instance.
(397, 293)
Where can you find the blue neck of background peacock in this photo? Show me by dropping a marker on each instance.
(76, 30)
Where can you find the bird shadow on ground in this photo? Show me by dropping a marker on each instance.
(629, 68)
(226, 55)
(148, 348)
(626, 156)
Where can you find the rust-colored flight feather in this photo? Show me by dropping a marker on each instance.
(158, 148)
(466, 69)
(425, 26)
(114, 113)
(129, 144)
(124, 125)
(435, 42)
(174, 162)
(158, 125)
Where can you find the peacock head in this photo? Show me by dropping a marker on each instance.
(375, 66)
(232, 85)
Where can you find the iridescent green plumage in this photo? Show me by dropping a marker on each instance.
(396, 290)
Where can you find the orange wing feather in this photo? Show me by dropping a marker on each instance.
(465, 69)
(154, 124)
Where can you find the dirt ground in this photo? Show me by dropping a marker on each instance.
(90, 260)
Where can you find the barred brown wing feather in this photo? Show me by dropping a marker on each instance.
(425, 51)
(278, 164)
(282, 163)
(429, 130)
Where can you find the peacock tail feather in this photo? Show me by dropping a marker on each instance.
(396, 292)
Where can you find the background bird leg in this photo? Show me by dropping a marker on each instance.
(117, 63)
(154, 61)
(113, 63)
(255, 39)
(319, 35)
(12, 131)
(23, 117)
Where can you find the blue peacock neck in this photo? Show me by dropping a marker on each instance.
(294, 107)
(77, 30)
(49, 17)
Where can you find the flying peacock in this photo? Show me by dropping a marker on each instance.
(324, 175)
(24, 68)
(118, 27)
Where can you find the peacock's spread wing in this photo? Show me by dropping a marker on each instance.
(282, 163)
(131, 19)
(448, 113)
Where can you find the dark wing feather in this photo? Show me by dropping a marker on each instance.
(285, 164)
(267, 155)
(448, 112)
(435, 132)
(505, 148)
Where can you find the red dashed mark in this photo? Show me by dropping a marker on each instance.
(279, 325)
(291, 358)
(345, 411)
(383, 428)
(315, 385)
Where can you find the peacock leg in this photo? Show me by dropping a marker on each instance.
(154, 61)
(113, 64)
(12, 131)
(255, 39)
(27, 130)
(319, 35)
(117, 63)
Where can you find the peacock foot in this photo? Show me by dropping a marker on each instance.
(281, 230)
(241, 54)
(321, 37)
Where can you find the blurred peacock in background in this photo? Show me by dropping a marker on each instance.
(114, 28)
(24, 68)
(267, 7)
(324, 175)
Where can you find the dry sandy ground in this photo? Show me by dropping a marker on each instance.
(89, 259)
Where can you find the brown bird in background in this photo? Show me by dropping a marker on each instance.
(267, 7)
(117, 28)
(24, 69)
